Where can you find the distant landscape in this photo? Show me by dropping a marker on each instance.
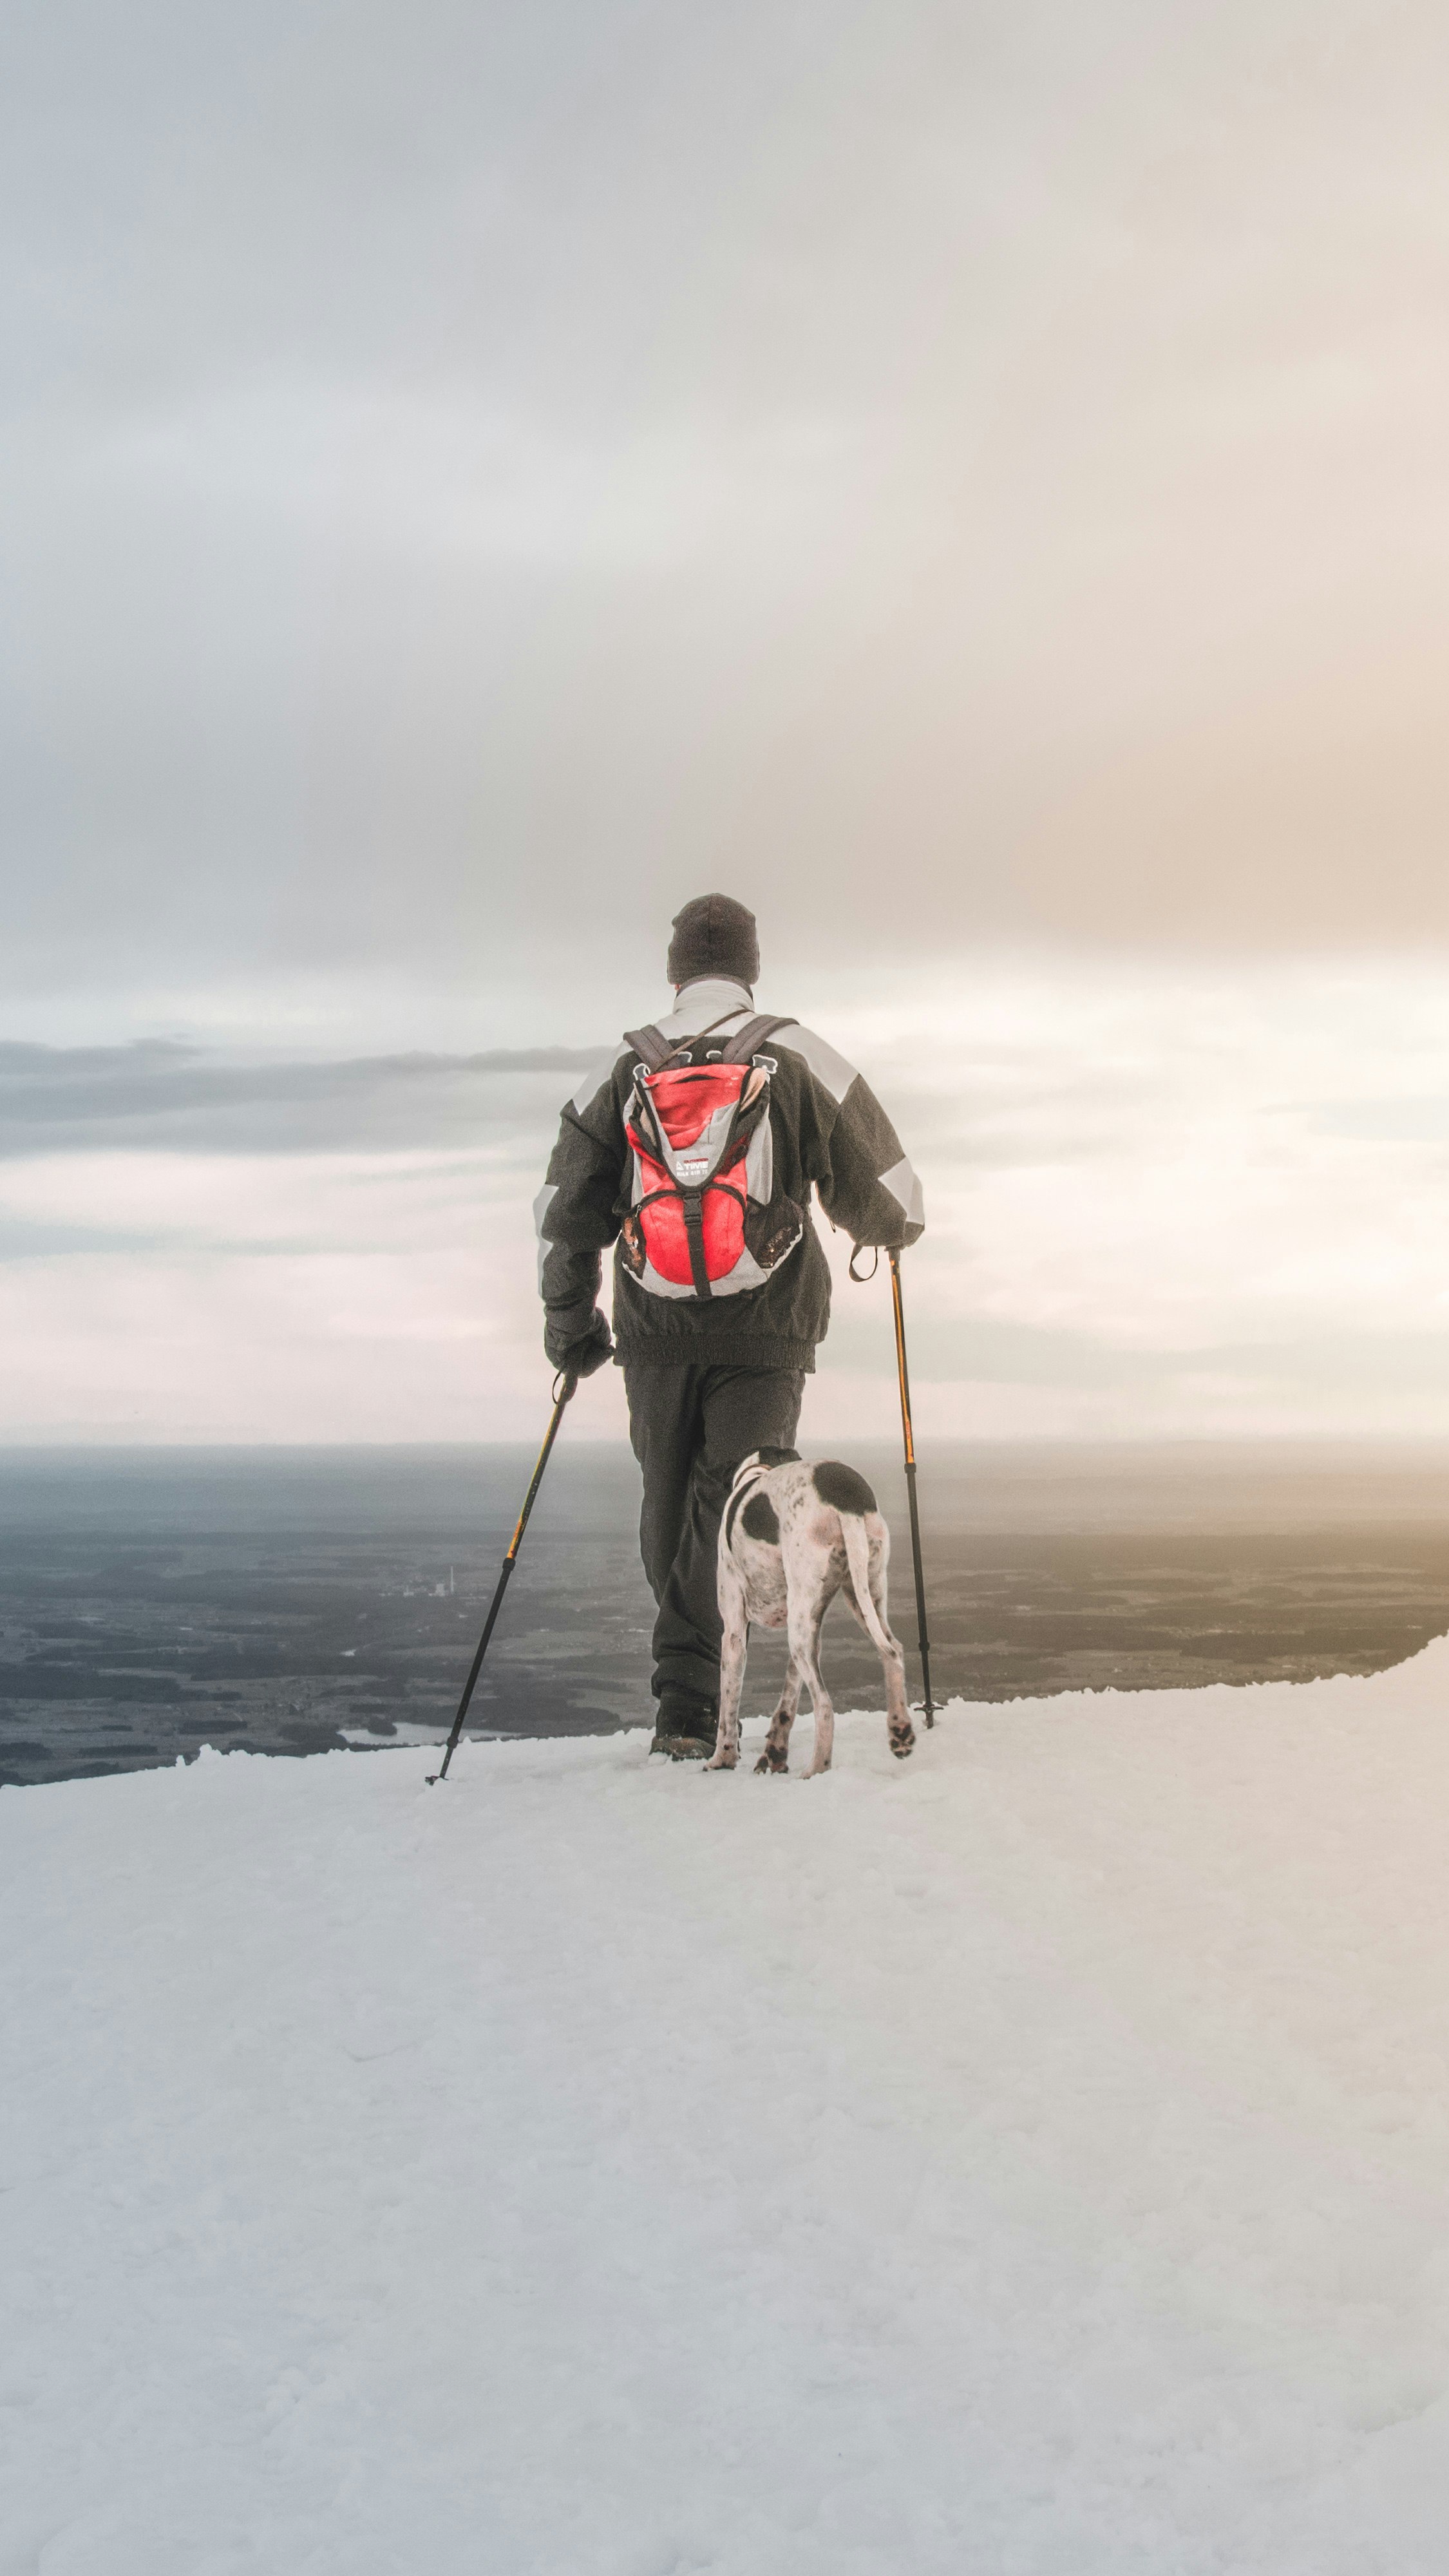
(292, 1601)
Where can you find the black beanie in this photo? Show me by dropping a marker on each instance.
(713, 936)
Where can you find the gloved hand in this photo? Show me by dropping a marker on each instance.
(589, 1351)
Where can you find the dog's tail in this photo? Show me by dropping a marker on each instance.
(857, 1557)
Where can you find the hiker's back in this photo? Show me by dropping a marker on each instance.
(693, 1146)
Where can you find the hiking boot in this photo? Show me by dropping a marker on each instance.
(685, 1729)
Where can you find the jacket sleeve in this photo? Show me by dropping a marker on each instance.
(855, 1158)
(575, 1209)
(868, 1186)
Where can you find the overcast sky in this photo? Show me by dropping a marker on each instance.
(969, 480)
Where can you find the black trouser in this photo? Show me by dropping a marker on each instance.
(690, 1428)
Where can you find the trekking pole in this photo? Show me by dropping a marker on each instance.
(563, 1387)
(910, 1445)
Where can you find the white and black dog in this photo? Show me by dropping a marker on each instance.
(793, 1535)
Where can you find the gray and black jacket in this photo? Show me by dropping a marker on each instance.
(827, 1128)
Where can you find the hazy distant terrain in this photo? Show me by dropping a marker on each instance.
(291, 1600)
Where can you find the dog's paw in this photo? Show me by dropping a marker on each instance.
(773, 1769)
(722, 1762)
(902, 1744)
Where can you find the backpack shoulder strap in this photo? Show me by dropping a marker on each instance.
(753, 1035)
(651, 1045)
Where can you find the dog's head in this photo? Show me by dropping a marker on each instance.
(764, 1458)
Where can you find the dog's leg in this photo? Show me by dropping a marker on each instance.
(867, 1544)
(776, 1755)
(893, 1663)
(805, 1619)
(731, 1665)
(901, 1732)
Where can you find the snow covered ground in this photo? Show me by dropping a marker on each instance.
(1032, 2158)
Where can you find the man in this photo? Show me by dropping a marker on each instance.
(710, 1373)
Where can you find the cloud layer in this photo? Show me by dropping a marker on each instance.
(1198, 1203)
(476, 475)
(178, 1098)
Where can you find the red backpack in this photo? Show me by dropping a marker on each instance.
(703, 1217)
